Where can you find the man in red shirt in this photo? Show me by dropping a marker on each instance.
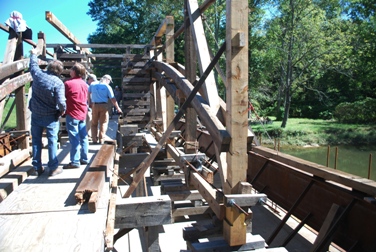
(76, 93)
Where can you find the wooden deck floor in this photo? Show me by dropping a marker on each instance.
(42, 214)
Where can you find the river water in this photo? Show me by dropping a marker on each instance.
(351, 159)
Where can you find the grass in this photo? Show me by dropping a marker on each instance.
(11, 123)
(301, 132)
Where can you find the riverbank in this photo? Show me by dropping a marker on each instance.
(309, 132)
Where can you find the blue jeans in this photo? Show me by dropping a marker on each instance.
(78, 139)
(38, 124)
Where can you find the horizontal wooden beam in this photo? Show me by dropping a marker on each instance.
(13, 159)
(109, 46)
(52, 19)
(92, 183)
(208, 193)
(12, 84)
(143, 211)
(13, 67)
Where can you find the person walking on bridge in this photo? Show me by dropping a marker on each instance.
(76, 92)
(91, 78)
(99, 93)
(47, 104)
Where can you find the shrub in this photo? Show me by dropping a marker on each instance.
(361, 112)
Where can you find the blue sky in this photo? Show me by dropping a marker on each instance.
(72, 13)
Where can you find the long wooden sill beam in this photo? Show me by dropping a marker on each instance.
(91, 185)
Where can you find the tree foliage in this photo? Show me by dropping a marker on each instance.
(305, 56)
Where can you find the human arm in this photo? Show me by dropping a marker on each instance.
(33, 65)
(116, 105)
(90, 103)
(60, 97)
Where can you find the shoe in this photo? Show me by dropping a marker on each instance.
(83, 162)
(37, 172)
(55, 172)
(70, 166)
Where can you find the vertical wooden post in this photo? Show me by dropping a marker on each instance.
(20, 99)
(237, 110)
(8, 58)
(170, 58)
(336, 159)
(369, 166)
(153, 92)
(327, 156)
(190, 73)
(237, 88)
(279, 142)
(275, 144)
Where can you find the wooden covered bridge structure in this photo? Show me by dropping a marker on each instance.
(176, 134)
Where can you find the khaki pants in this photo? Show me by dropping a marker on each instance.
(99, 114)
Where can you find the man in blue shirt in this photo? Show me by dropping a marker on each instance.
(47, 104)
(99, 93)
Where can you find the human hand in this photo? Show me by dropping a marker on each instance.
(34, 51)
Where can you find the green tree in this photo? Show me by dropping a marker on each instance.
(305, 44)
(129, 22)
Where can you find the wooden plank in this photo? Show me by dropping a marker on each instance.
(137, 95)
(172, 187)
(13, 67)
(10, 51)
(135, 111)
(143, 212)
(135, 79)
(150, 140)
(138, 88)
(51, 18)
(135, 103)
(328, 222)
(159, 33)
(184, 195)
(12, 84)
(110, 225)
(135, 141)
(182, 211)
(208, 193)
(94, 178)
(13, 159)
(118, 46)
